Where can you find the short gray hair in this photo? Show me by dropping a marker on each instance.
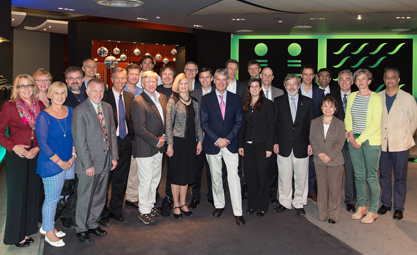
(392, 69)
(95, 80)
(345, 71)
(290, 77)
(221, 71)
(149, 74)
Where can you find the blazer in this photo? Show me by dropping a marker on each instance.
(241, 89)
(177, 120)
(20, 133)
(259, 126)
(331, 145)
(148, 125)
(89, 139)
(293, 136)
(336, 94)
(215, 127)
(276, 92)
(128, 99)
(197, 84)
(72, 100)
(317, 97)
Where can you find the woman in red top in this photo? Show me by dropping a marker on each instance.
(19, 114)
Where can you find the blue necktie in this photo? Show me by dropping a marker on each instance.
(267, 94)
(122, 118)
(344, 102)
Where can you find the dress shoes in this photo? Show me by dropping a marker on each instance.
(67, 223)
(187, 213)
(260, 213)
(350, 208)
(59, 243)
(119, 217)
(105, 222)
(133, 204)
(398, 215)
(331, 221)
(193, 204)
(59, 234)
(300, 211)
(383, 209)
(280, 208)
(274, 201)
(218, 212)
(84, 237)
(313, 196)
(369, 218)
(240, 221)
(30, 240)
(24, 244)
(98, 231)
(250, 211)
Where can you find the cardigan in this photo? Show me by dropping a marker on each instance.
(373, 119)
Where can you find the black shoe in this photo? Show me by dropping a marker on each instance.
(350, 207)
(133, 204)
(119, 217)
(331, 221)
(211, 201)
(177, 216)
(274, 201)
(67, 223)
(383, 209)
(193, 204)
(280, 208)
(260, 213)
(84, 237)
(300, 211)
(98, 231)
(105, 222)
(187, 213)
(244, 197)
(398, 215)
(240, 221)
(250, 211)
(218, 212)
(24, 244)
(30, 240)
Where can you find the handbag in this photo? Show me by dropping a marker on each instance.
(166, 207)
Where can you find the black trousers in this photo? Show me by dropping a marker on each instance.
(118, 178)
(257, 167)
(198, 171)
(273, 177)
(22, 198)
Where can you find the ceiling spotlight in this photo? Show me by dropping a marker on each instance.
(60, 8)
(400, 29)
(317, 18)
(198, 26)
(244, 31)
(280, 21)
(44, 29)
(303, 27)
(408, 17)
(157, 17)
(359, 17)
(50, 26)
(119, 3)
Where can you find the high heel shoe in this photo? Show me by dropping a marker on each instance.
(177, 216)
(189, 213)
(358, 215)
(369, 219)
(59, 243)
(59, 234)
(24, 244)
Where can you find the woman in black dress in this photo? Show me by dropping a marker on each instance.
(183, 130)
(256, 141)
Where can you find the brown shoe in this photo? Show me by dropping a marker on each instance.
(313, 196)
(147, 218)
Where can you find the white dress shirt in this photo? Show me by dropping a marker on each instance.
(232, 87)
(116, 99)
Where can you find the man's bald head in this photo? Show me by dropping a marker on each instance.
(267, 75)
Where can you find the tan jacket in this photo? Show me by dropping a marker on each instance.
(398, 126)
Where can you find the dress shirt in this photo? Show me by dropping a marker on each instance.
(205, 92)
(343, 94)
(269, 93)
(116, 99)
(305, 93)
(295, 99)
(232, 87)
(326, 91)
(224, 97)
(139, 84)
(138, 91)
(95, 108)
(193, 84)
(157, 104)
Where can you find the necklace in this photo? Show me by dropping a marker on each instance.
(328, 122)
(185, 101)
(65, 132)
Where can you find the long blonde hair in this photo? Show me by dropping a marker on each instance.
(14, 95)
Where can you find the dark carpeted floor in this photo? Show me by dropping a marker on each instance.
(275, 233)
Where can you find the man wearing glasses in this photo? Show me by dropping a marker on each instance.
(325, 77)
(191, 70)
(74, 78)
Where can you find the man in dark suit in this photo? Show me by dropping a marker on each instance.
(325, 77)
(235, 86)
(312, 91)
(148, 117)
(294, 113)
(205, 77)
(221, 120)
(95, 141)
(74, 78)
(191, 70)
(345, 82)
(120, 101)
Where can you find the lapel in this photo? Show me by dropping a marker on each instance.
(92, 112)
(127, 104)
(112, 102)
(300, 107)
(321, 129)
(152, 106)
(286, 106)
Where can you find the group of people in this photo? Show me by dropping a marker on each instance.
(69, 142)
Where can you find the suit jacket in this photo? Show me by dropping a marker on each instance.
(331, 145)
(241, 89)
(336, 94)
(318, 95)
(293, 136)
(89, 139)
(128, 99)
(198, 94)
(197, 84)
(72, 100)
(148, 125)
(215, 127)
(276, 92)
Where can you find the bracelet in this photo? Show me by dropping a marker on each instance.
(200, 142)
(74, 154)
(56, 162)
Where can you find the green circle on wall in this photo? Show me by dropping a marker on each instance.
(261, 49)
(294, 49)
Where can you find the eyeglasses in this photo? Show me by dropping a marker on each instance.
(25, 86)
(189, 69)
(43, 81)
(324, 75)
(76, 78)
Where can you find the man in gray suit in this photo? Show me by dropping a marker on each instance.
(267, 76)
(94, 135)
(148, 116)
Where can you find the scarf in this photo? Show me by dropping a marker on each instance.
(27, 114)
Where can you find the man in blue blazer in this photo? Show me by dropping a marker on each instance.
(221, 120)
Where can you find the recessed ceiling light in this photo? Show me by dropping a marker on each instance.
(139, 18)
(44, 29)
(400, 29)
(12, 19)
(198, 26)
(303, 27)
(60, 8)
(50, 26)
(317, 18)
(119, 3)
(157, 17)
(71, 10)
(244, 31)
(238, 19)
(359, 17)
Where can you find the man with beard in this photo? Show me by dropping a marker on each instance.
(74, 79)
(147, 63)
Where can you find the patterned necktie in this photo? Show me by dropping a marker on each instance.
(222, 105)
(267, 94)
(293, 109)
(103, 126)
(344, 102)
(122, 118)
